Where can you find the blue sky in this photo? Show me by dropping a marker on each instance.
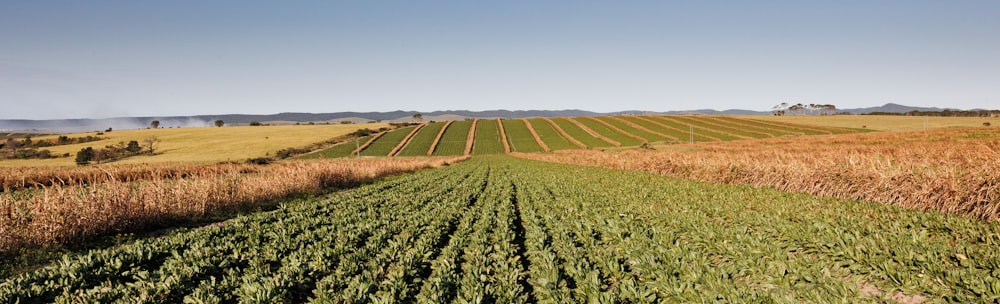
(73, 59)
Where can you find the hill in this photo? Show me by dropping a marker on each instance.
(125, 123)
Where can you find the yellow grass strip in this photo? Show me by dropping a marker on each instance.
(469, 141)
(637, 126)
(503, 137)
(406, 140)
(564, 134)
(653, 121)
(591, 132)
(616, 129)
(438, 138)
(535, 135)
(368, 143)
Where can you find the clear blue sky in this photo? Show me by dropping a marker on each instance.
(70, 59)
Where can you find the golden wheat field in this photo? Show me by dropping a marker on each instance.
(202, 145)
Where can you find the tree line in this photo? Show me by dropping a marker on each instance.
(116, 151)
(804, 109)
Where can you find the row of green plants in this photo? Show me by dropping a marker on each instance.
(581, 134)
(593, 124)
(550, 135)
(422, 141)
(384, 144)
(519, 137)
(629, 131)
(504, 230)
(454, 138)
(487, 138)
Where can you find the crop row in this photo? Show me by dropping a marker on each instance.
(453, 141)
(566, 133)
(386, 143)
(504, 230)
(519, 137)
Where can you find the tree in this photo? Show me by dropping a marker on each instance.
(133, 147)
(150, 143)
(418, 117)
(255, 123)
(12, 145)
(84, 156)
(219, 123)
(779, 109)
(154, 124)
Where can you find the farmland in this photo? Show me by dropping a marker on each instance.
(122, 199)
(753, 211)
(384, 144)
(580, 134)
(946, 170)
(454, 139)
(204, 145)
(496, 229)
(519, 137)
(421, 142)
(882, 123)
(550, 136)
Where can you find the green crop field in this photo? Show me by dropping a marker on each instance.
(383, 145)
(421, 142)
(700, 134)
(755, 126)
(550, 136)
(454, 138)
(488, 139)
(722, 127)
(340, 150)
(581, 135)
(608, 132)
(681, 134)
(704, 129)
(632, 130)
(519, 137)
(504, 230)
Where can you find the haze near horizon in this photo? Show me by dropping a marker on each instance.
(67, 59)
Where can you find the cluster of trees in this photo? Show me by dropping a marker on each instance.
(22, 149)
(28, 148)
(116, 151)
(804, 109)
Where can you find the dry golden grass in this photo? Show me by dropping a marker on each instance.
(20, 178)
(65, 214)
(882, 123)
(203, 145)
(953, 171)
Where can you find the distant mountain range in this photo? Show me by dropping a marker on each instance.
(122, 123)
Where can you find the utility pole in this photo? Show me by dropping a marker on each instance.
(691, 134)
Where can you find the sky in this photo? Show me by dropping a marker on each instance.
(98, 59)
